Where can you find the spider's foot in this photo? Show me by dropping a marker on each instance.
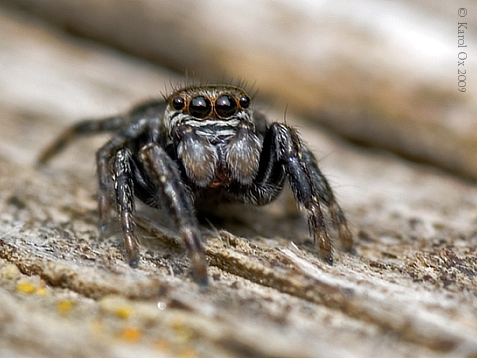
(132, 249)
(346, 238)
(199, 268)
(322, 238)
(133, 263)
(106, 229)
(103, 228)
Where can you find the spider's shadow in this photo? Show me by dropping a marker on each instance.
(251, 221)
(278, 219)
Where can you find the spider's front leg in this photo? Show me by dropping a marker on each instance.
(309, 187)
(124, 187)
(164, 177)
(107, 157)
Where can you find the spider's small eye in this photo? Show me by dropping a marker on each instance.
(244, 101)
(199, 107)
(178, 103)
(225, 106)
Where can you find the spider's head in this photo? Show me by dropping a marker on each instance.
(213, 130)
(208, 105)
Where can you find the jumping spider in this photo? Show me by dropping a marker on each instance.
(202, 143)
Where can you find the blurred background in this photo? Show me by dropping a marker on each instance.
(382, 74)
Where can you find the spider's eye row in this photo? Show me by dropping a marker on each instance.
(178, 103)
(244, 101)
(200, 107)
(225, 106)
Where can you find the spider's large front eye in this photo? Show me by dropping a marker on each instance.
(225, 106)
(178, 103)
(199, 107)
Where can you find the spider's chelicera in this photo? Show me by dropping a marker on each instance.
(199, 143)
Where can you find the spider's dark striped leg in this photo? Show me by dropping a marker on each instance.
(289, 151)
(104, 167)
(163, 174)
(80, 129)
(124, 187)
(323, 190)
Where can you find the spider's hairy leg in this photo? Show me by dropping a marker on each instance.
(104, 172)
(323, 190)
(163, 173)
(80, 129)
(104, 168)
(290, 155)
(125, 203)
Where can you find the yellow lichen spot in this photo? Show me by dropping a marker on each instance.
(26, 287)
(64, 306)
(177, 323)
(124, 312)
(131, 334)
(117, 306)
(41, 291)
(183, 333)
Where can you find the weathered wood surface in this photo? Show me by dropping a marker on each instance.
(410, 290)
